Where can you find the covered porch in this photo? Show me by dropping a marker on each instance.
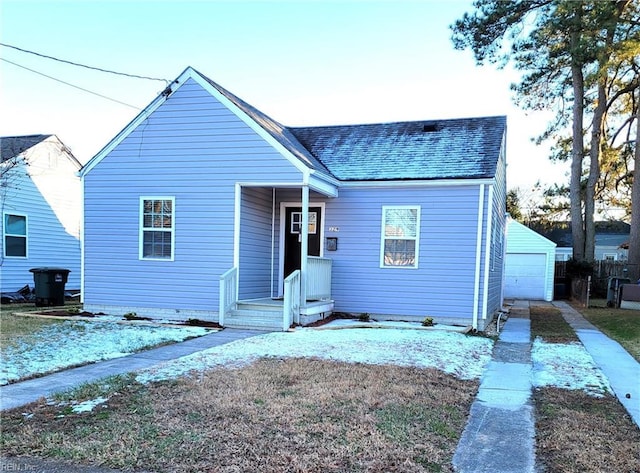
(280, 274)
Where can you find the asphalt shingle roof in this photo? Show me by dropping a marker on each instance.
(466, 148)
(11, 146)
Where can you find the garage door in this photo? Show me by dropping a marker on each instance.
(525, 276)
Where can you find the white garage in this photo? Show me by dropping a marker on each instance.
(529, 264)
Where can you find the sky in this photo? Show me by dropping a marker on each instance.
(303, 63)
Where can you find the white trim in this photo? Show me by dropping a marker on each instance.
(487, 253)
(141, 228)
(476, 283)
(273, 241)
(126, 131)
(304, 244)
(282, 216)
(416, 238)
(418, 183)
(237, 209)
(82, 230)
(25, 236)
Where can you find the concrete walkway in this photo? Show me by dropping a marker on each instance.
(620, 368)
(25, 392)
(500, 432)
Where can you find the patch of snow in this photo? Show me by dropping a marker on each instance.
(75, 342)
(454, 353)
(88, 406)
(567, 366)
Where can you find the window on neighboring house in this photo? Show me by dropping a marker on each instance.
(157, 227)
(610, 256)
(15, 236)
(400, 236)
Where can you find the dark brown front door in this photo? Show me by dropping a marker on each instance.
(293, 236)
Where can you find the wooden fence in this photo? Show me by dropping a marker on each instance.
(583, 288)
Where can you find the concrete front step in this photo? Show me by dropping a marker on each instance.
(254, 319)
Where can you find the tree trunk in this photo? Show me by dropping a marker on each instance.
(594, 173)
(577, 155)
(634, 236)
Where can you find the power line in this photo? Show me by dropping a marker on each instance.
(70, 85)
(134, 76)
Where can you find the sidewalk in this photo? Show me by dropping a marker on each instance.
(500, 432)
(25, 392)
(620, 368)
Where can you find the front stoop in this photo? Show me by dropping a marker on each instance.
(266, 314)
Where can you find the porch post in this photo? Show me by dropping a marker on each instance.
(304, 245)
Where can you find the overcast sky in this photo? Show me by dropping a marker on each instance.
(300, 62)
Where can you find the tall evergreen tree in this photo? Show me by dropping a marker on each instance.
(569, 52)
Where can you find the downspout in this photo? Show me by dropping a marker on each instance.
(81, 175)
(476, 285)
(487, 252)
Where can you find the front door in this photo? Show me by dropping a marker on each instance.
(293, 236)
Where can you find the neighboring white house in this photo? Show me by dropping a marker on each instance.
(529, 264)
(41, 209)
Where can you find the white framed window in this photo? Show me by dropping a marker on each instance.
(15, 235)
(400, 236)
(157, 228)
(296, 223)
(610, 256)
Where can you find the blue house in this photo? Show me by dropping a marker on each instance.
(204, 207)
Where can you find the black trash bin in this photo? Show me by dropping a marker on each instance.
(49, 285)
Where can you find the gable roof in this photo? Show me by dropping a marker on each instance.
(12, 146)
(271, 126)
(465, 148)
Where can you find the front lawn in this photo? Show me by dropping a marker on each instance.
(276, 415)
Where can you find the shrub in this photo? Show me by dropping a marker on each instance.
(427, 322)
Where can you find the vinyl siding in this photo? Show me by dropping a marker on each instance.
(191, 148)
(47, 191)
(444, 281)
(498, 248)
(255, 243)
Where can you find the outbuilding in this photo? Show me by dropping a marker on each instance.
(529, 264)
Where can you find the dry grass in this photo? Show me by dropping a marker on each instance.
(12, 327)
(547, 322)
(294, 415)
(577, 432)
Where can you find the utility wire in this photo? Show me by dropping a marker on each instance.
(134, 76)
(70, 85)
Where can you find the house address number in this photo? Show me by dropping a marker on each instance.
(334, 229)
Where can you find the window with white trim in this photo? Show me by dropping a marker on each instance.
(157, 228)
(400, 237)
(15, 236)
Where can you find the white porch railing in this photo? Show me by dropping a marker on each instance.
(291, 312)
(318, 278)
(228, 293)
